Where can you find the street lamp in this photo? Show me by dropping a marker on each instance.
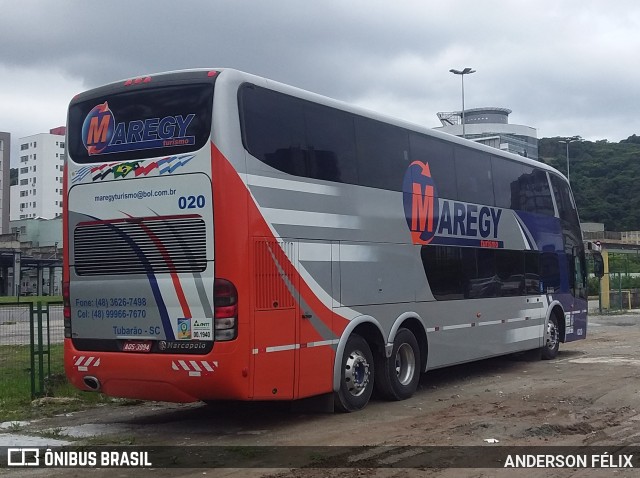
(466, 71)
(567, 141)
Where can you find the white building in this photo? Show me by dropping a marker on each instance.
(491, 126)
(5, 148)
(41, 163)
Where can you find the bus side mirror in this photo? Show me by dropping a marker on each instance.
(598, 265)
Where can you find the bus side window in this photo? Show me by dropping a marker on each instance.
(532, 272)
(564, 200)
(580, 278)
(332, 144)
(444, 268)
(274, 129)
(509, 183)
(439, 155)
(383, 154)
(475, 184)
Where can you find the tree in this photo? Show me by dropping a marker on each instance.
(603, 178)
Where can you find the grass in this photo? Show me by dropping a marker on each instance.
(15, 427)
(16, 404)
(100, 440)
(53, 433)
(15, 386)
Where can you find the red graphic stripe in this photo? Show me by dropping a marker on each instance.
(186, 311)
(259, 228)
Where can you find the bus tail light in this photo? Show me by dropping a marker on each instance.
(137, 81)
(225, 298)
(66, 303)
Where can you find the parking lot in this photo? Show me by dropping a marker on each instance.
(589, 395)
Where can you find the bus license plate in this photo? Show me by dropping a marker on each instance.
(137, 346)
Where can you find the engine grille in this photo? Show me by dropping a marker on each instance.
(140, 246)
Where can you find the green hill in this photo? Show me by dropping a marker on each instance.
(605, 178)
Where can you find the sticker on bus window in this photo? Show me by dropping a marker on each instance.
(184, 329)
(102, 134)
(202, 329)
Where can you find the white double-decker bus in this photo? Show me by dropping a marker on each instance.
(231, 237)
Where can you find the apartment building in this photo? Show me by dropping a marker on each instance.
(5, 167)
(38, 193)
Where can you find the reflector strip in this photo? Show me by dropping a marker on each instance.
(514, 335)
(194, 368)
(83, 363)
(282, 348)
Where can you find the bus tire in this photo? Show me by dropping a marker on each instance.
(399, 375)
(551, 339)
(356, 376)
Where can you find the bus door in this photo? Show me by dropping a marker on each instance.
(275, 319)
(579, 292)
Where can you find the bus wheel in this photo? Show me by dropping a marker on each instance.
(356, 377)
(398, 376)
(551, 339)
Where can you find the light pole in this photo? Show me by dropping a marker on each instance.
(466, 71)
(567, 141)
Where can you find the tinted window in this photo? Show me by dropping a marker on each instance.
(485, 283)
(383, 154)
(439, 155)
(510, 269)
(564, 200)
(532, 272)
(299, 137)
(274, 129)
(331, 143)
(580, 277)
(474, 181)
(140, 123)
(537, 193)
(508, 177)
(443, 266)
(521, 187)
(477, 273)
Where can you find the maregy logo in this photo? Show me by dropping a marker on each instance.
(442, 221)
(101, 134)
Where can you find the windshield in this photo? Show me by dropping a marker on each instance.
(140, 123)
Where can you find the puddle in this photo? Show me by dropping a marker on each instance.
(66, 434)
(620, 360)
(92, 429)
(14, 424)
(15, 440)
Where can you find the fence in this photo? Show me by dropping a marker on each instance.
(624, 299)
(31, 336)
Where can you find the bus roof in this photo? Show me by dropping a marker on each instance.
(239, 77)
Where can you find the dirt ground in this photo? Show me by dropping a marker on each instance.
(589, 395)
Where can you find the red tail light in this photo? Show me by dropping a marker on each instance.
(137, 81)
(225, 298)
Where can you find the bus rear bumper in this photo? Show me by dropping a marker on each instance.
(171, 378)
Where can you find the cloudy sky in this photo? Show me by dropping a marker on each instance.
(565, 67)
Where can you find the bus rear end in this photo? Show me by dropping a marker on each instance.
(143, 307)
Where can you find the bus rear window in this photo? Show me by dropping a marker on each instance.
(140, 123)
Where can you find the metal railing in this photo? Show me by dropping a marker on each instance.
(28, 332)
